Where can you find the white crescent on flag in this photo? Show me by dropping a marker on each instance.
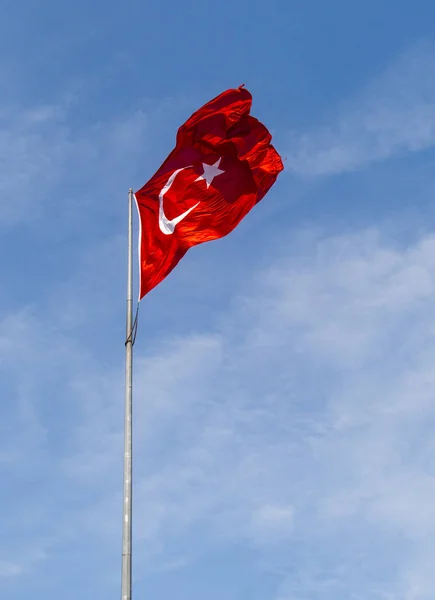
(167, 226)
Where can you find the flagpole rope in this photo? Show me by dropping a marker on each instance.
(132, 336)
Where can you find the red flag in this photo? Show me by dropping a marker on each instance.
(222, 165)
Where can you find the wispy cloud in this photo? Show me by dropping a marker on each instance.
(393, 116)
(262, 452)
(337, 464)
(237, 440)
(32, 145)
(53, 161)
(8, 569)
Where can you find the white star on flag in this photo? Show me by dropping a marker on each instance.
(210, 172)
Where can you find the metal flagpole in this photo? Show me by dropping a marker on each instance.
(127, 512)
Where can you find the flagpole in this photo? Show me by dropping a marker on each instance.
(127, 498)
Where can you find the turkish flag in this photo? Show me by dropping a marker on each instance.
(222, 165)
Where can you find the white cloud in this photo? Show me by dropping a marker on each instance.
(335, 423)
(304, 421)
(395, 115)
(51, 163)
(32, 146)
(9, 569)
(272, 522)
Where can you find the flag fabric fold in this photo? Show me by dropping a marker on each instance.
(222, 165)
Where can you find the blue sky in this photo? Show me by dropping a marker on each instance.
(284, 376)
